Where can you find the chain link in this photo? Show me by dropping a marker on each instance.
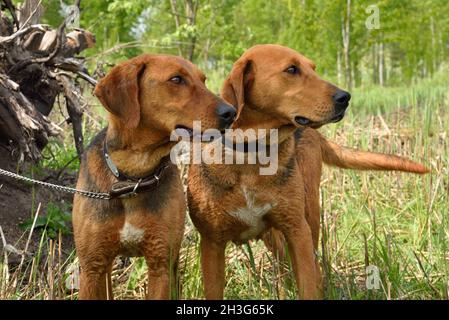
(89, 194)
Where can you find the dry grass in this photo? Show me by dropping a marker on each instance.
(394, 221)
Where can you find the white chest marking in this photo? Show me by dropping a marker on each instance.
(252, 215)
(130, 235)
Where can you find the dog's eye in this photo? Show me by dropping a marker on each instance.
(178, 80)
(292, 69)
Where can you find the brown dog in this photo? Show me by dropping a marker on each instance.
(278, 89)
(147, 98)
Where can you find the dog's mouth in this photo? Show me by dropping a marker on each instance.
(306, 122)
(337, 118)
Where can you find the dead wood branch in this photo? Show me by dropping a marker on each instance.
(30, 56)
(74, 110)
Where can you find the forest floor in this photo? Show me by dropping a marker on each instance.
(387, 225)
(19, 202)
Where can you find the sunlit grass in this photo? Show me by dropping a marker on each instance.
(396, 222)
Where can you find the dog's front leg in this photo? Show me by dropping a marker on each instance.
(213, 266)
(162, 278)
(96, 256)
(95, 285)
(159, 279)
(300, 245)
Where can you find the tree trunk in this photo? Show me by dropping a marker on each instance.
(346, 35)
(191, 10)
(177, 18)
(381, 64)
(434, 49)
(189, 17)
(375, 71)
(339, 68)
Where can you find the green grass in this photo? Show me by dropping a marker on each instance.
(394, 221)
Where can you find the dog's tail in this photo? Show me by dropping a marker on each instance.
(347, 158)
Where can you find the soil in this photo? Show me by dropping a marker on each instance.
(19, 202)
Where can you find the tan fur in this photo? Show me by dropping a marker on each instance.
(347, 158)
(267, 98)
(145, 106)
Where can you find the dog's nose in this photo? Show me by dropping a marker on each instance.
(341, 100)
(341, 97)
(226, 113)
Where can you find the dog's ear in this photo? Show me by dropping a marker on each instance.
(119, 91)
(234, 87)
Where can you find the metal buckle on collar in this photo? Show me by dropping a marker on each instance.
(133, 193)
(158, 175)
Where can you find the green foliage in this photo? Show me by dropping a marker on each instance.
(59, 154)
(56, 220)
(413, 33)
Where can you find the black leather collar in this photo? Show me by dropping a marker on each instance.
(131, 186)
(245, 146)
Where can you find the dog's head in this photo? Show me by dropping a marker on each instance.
(282, 86)
(161, 92)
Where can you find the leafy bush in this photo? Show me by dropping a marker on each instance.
(56, 220)
(58, 154)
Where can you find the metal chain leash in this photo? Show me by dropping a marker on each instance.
(89, 194)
